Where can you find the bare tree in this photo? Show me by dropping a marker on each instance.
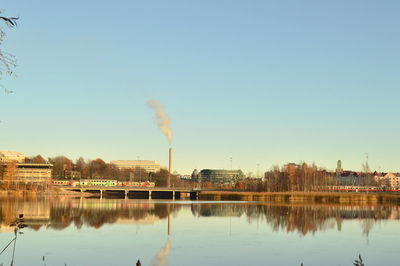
(365, 168)
(11, 173)
(7, 61)
(38, 159)
(60, 165)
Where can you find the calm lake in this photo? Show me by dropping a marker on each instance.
(86, 231)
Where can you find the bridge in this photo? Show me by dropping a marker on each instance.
(150, 192)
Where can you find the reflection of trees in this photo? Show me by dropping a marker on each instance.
(219, 209)
(59, 214)
(367, 225)
(303, 219)
(62, 213)
(35, 210)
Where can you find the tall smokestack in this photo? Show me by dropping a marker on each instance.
(170, 168)
(169, 224)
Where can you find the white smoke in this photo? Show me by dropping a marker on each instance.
(161, 118)
(162, 257)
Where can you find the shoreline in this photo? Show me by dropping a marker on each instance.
(306, 197)
(57, 192)
(274, 197)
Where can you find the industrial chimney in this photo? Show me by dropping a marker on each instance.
(170, 168)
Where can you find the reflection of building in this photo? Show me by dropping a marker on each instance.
(149, 166)
(221, 176)
(60, 213)
(36, 213)
(11, 156)
(5, 228)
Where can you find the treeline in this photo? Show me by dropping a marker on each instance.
(291, 177)
(7, 175)
(65, 168)
(298, 177)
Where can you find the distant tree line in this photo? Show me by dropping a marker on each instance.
(7, 175)
(291, 177)
(297, 177)
(65, 168)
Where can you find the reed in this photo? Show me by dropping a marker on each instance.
(358, 262)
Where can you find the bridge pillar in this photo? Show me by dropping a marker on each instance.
(194, 195)
(126, 194)
(150, 194)
(101, 194)
(173, 195)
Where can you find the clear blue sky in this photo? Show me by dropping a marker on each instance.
(265, 82)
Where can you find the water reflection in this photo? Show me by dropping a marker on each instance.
(61, 213)
(162, 257)
(304, 219)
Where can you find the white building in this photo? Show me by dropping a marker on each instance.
(10, 156)
(149, 166)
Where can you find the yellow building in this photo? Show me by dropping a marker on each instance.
(11, 156)
(390, 180)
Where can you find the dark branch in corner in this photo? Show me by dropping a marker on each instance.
(10, 22)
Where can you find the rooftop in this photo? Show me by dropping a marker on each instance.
(10, 153)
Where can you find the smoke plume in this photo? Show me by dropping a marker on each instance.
(162, 257)
(161, 118)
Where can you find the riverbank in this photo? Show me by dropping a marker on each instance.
(306, 197)
(52, 192)
(273, 197)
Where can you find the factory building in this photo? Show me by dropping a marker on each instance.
(149, 166)
(221, 176)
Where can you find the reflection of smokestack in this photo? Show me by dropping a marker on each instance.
(162, 257)
(169, 218)
(169, 224)
(170, 168)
